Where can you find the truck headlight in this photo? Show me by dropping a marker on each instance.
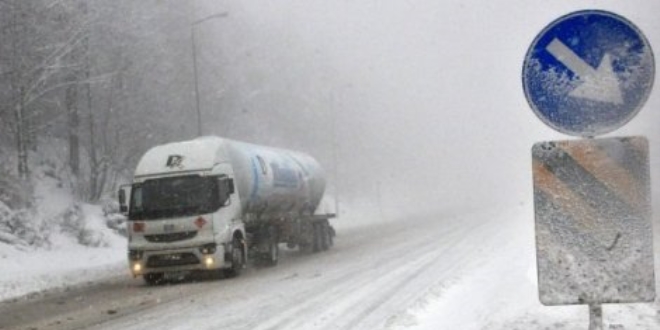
(208, 248)
(208, 261)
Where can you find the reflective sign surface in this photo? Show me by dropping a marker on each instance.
(588, 73)
(594, 235)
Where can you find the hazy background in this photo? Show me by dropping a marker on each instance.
(411, 106)
(422, 99)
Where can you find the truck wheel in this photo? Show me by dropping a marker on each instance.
(325, 237)
(306, 239)
(154, 278)
(317, 238)
(305, 247)
(331, 235)
(271, 257)
(333, 232)
(237, 259)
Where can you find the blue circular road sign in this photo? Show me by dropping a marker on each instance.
(588, 73)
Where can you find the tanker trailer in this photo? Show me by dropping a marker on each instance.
(213, 204)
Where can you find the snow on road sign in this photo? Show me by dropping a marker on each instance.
(588, 73)
(594, 236)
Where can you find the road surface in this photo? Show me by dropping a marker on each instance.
(470, 271)
(366, 281)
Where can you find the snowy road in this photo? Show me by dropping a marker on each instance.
(473, 271)
(366, 281)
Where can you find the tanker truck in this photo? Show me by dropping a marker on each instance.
(213, 204)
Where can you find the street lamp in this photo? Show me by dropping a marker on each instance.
(194, 54)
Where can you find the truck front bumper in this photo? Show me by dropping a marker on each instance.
(205, 257)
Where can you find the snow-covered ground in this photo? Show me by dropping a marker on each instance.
(465, 270)
(65, 263)
(471, 268)
(502, 293)
(74, 244)
(30, 272)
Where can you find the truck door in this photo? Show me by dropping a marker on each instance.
(228, 218)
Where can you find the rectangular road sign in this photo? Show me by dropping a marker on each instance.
(594, 236)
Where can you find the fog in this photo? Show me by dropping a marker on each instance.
(421, 102)
(415, 109)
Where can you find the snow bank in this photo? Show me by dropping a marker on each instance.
(65, 262)
(53, 240)
(506, 278)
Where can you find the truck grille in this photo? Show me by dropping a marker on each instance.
(172, 237)
(174, 259)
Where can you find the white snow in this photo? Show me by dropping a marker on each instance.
(31, 272)
(492, 285)
(502, 293)
(60, 261)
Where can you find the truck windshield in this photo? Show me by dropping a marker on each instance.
(174, 197)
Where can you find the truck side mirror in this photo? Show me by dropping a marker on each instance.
(230, 186)
(123, 203)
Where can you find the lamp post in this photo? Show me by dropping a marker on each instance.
(194, 55)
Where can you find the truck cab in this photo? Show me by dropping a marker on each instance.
(183, 220)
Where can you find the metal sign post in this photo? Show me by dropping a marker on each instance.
(595, 317)
(586, 74)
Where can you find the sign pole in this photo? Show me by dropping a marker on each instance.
(595, 317)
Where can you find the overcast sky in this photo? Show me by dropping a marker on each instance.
(426, 95)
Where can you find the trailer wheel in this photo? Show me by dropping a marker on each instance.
(317, 239)
(237, 259)
(271, 257)
(305, 241)
(331, 236)
(306, 247)
(154, 278)
(326, 237)
(322, 237)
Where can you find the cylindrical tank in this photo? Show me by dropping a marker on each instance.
(274, 181)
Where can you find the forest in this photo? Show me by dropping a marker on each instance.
(85, 88)
(89, 76)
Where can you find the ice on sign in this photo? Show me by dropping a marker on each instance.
(593, 221)
(588, 73)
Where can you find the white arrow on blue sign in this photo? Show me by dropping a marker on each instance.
(588, 73)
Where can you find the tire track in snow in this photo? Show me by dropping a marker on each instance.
(439, 266)
(361, 297)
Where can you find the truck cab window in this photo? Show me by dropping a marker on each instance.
(224, 191)
(175, 197)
